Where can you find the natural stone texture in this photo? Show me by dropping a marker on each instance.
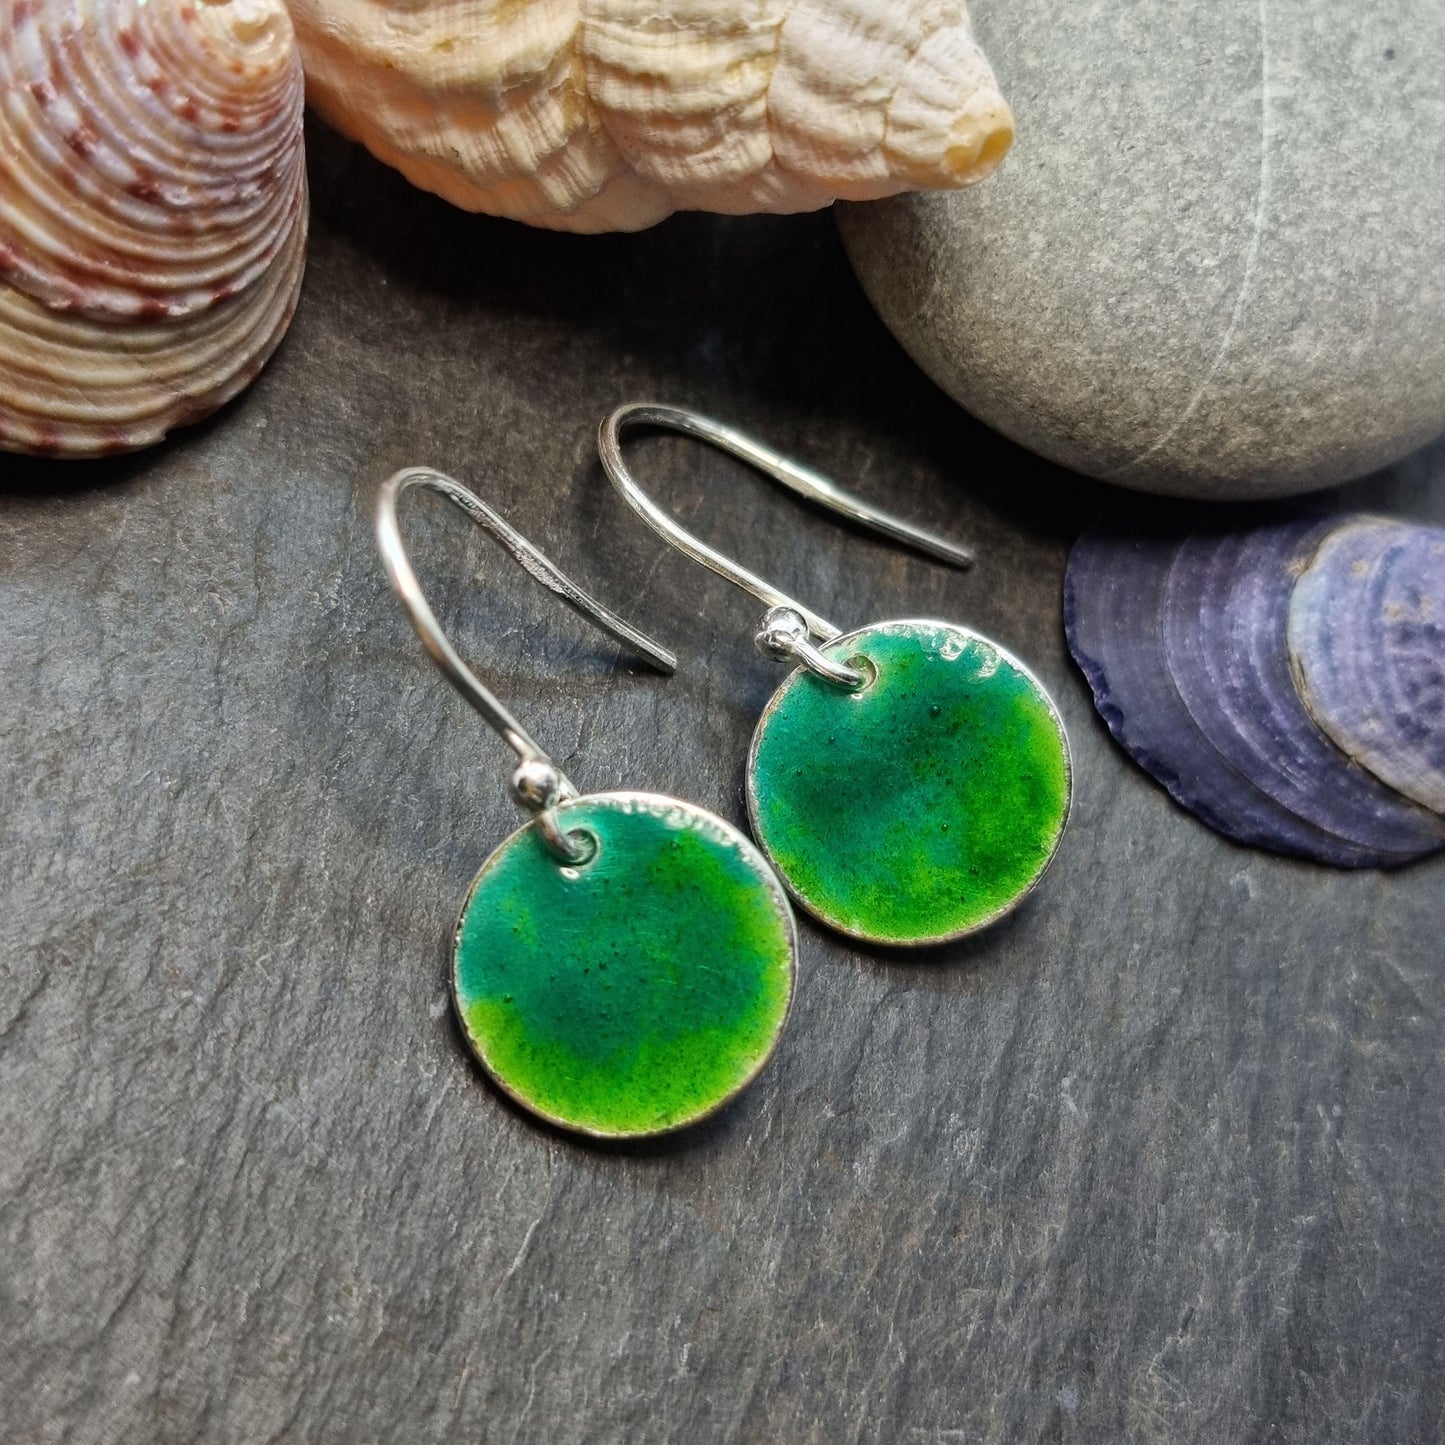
(1214, 265)
(1158, 1158)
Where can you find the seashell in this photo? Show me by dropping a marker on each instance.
(1182, 640)
(152, 213)
(608, 115)
(1226, 610)
(1367, 642)
(1114, 620)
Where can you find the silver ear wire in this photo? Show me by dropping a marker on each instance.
(538, 784)
(777, 637)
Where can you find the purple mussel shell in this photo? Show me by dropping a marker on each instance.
(1114, 616)
(1226, 610)
(1367, 643)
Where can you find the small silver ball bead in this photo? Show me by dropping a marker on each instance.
(782, 631)
(536, 784)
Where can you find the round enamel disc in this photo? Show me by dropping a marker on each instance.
(925, 805)
(633, 993)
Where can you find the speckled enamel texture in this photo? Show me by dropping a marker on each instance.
(922, 807)
(636, 992)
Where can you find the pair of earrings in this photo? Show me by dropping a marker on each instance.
(624, 963)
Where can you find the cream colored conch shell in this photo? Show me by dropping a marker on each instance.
(152, 213)
(608, 115)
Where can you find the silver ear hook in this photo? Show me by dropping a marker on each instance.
(789, 627)
(538, 784)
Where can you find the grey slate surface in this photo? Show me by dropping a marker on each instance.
(1158, 1160)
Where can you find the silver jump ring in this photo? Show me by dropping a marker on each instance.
(784, 637)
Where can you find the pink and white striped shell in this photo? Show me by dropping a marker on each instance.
(152, 213)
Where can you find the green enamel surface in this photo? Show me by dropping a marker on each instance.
(638, 991)
(923, 806)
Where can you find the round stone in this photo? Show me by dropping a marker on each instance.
(635, 992)
(921, 807)
(1211, 265)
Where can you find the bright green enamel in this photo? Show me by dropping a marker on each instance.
(638, 991)
(923, 806)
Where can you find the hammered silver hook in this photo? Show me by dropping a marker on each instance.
(537, 783)
(789, 626)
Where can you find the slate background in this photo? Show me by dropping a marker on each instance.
(1157, 1160)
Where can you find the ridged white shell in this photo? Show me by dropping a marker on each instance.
(601, 115)
(152, 213)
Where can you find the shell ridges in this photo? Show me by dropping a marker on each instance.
(1197, 636)
(152, 213)
(596, 115)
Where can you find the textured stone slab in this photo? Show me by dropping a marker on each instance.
(1212, 265)
(1156, 1159)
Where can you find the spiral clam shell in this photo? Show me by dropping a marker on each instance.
(1182, 634)
(608, 115)
(152, 213)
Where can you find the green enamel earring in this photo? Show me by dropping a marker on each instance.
(623, 964)
(909, 780)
